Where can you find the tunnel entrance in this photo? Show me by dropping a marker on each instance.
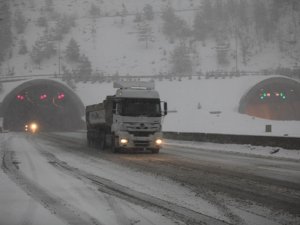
(50, 104)
(274, 98)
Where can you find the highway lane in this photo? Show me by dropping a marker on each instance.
(183, 183)
(253, 183)
(59, 194)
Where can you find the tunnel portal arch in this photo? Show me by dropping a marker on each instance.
(51, 104)
(276, 98)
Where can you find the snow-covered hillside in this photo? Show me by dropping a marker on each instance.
(111, 42)
(107, 34)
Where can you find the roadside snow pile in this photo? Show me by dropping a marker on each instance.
(274, 152)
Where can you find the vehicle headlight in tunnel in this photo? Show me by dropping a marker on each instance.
(33, 127)
(123, 141)
(158, 141)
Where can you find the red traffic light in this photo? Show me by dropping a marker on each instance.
(20, 97)
(61, 96)
(43, 97)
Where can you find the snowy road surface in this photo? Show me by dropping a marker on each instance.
(56, 179)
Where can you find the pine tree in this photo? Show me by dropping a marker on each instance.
(20, 22)
(42, 49)
(42, 22)
(148, 12)
(63, 26)
(243, 16)
(222, 50)
(145, 33)
(245, 46)
(181, 60)
(169, 25)
(200, 28)
(36, 53)
(72, 51)
(49, 5)
(84, 67)
(261, 19)
(138, 18)
(22, 48)
(5, 34)
(208, 16)
(173, 25)
(95, 11)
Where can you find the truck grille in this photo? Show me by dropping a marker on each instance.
(141, 143)
(141, 133)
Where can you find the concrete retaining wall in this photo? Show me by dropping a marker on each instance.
(284, 142)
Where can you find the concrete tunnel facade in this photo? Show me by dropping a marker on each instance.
(276, 98)
(54, 106)
(51, 104)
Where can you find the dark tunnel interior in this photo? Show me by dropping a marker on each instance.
(274, 99)
(49, 106)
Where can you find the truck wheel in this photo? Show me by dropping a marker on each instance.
(155, 150)
(102, 141)
(89, 142)
(113, 147)
(88, 139)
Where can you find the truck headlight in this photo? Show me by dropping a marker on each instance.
(123, 141)
(158, 141)
(33, 127)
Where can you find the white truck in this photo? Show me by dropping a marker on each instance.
(129, 120)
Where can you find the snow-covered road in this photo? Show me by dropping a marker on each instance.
(56, 179)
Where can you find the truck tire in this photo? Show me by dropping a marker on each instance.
(113, 147)
(155, 150)
(89, 140)
(101, 140)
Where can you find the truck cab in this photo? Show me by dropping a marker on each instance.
(132, 118)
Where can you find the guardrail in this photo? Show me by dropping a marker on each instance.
(273, 141)
(103, 77)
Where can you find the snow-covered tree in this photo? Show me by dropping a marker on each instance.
(94, 11)
(124, 12)
(174, 26)
(84, 68)
(20, 22)
(145, 33)
(42, 22)
(148, 12)
(42, 49)
(222, 49)
(72, 51)
(22, 47)
(63, 26)
(208, 16)
(5, 34)
(49, 6)
(36, 54)
(181, 60)
(200, 27)
(138, 18)
(261, 19)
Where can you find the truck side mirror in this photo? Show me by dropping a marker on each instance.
(165, 108)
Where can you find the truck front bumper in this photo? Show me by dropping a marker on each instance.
(130, 141)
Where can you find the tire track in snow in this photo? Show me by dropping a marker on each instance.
(120, 215)
(157, 205)
(230, 210)
(54, 204)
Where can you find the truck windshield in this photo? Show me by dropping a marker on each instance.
(141, 107)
